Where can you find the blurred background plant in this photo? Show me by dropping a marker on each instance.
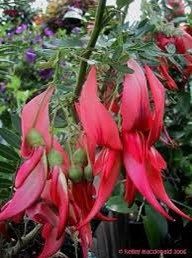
(38, 48)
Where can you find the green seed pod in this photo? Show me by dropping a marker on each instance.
(34, 138)
(80, 157)
(88, 173)
(75, 173)
(55, 158)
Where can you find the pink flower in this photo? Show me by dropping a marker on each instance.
(53, 207)
(100, 131)
(141, 128)
(31, 176)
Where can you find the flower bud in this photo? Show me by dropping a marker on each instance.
(55, 158)
(88, 173)
(76, 174)
(80, 157)
(34, 138)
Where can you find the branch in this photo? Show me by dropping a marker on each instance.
(24, 241)
(91, 44)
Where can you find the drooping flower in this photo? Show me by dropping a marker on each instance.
(52, 208)
(141, 128)
(41, 190)
(182, 43)
(36, 141)
(101, 131)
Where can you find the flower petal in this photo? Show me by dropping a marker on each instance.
(135, 109)
(156, 159)
(136, 170)
(108, 178)
(85, 234)
(158, 93)
(52, 244)
(42, 213)
(28, 193)
(28, 165)
(130, 191)
(60, 194)
(96, 120)
(35, 115)
(156, 182)
(164, 71)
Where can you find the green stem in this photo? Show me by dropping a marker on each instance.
(91, 44)
(125, 13)
(140, 210)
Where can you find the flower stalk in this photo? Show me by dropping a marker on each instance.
(91, 44)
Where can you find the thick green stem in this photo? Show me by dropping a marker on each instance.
(91, 44)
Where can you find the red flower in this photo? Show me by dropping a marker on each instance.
(178, 6)
(141, 128)
(101, 131)
(53, 207)
(41, 188)
(36, 138)
(32, 175)
(182, 43)
(166, 77)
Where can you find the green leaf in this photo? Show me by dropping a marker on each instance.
(123, 68)
(188, 190)
(184, 102)
(4, 194)
(14, 83)
(8, 153)
(4, 183)
(122, 3)
(6, 61)
(171, 49)
(16, 122)
(156, 227)
(6, 168)
(116, 203)
(10, 137)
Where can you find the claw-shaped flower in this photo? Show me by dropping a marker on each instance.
(31, 177)
(141, 128)
(101, 131)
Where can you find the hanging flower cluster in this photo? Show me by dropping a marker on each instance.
(59, 189)
(182, 44)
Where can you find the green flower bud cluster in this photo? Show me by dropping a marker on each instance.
(80, 169)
